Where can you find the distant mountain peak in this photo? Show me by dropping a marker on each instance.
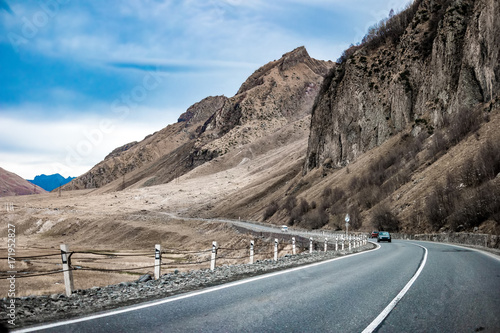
(292, 58)
(50, 182)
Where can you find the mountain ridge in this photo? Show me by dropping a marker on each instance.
(50, 182)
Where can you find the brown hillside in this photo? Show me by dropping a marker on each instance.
(12, 184)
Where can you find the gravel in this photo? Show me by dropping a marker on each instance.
(41, 309)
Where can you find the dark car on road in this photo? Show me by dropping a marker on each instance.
(374, 234)
(383, 236)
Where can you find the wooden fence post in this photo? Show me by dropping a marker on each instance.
(214, 254)
(251, 251)
(293, 246)
(67, 271)
(157, 261)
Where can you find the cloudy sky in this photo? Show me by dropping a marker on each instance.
(80, 78)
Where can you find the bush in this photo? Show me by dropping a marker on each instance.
(303, 207)
(369, 196)
(462, 123)
(476, 206)
(270, 210)
(355, 216)
(383, 219)
(315, 219)
(290, 203)
(391, 28)
(482, 167)
(488, 160)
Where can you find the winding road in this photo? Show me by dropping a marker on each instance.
(403, 286)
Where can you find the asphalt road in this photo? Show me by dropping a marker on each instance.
(454, 290)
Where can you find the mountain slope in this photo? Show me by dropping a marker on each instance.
(136, 155)
(276, 95)
(404, 132)
(12, 184)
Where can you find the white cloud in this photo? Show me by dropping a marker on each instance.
(32, 147)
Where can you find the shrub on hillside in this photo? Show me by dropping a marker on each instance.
(315, 219)
(270, 210)
(355, 216)
(476, 206)
(462, 123)
(290, 203)
(383, 219)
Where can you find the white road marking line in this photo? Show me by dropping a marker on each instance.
(380, 318)
(177, 298)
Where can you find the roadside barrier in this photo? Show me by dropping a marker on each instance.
(462, 238)
(164, 257)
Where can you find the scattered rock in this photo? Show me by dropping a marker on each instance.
(144, 278)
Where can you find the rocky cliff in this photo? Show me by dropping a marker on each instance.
(280, 92)
(446, 59)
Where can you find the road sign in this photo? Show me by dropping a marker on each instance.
(347, 218)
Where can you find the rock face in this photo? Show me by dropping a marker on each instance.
(446, 59)
(277, 94)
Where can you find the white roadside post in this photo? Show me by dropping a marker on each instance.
(275, 249)
(214, 254)
(326, 243)
(157, 261)
(347, 219)
(343, 242)
(337, 243)
(251, 251)
(293, 246)
(67, 271)
(349, 243)
(310, 245)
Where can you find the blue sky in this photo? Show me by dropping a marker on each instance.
(80, 78)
